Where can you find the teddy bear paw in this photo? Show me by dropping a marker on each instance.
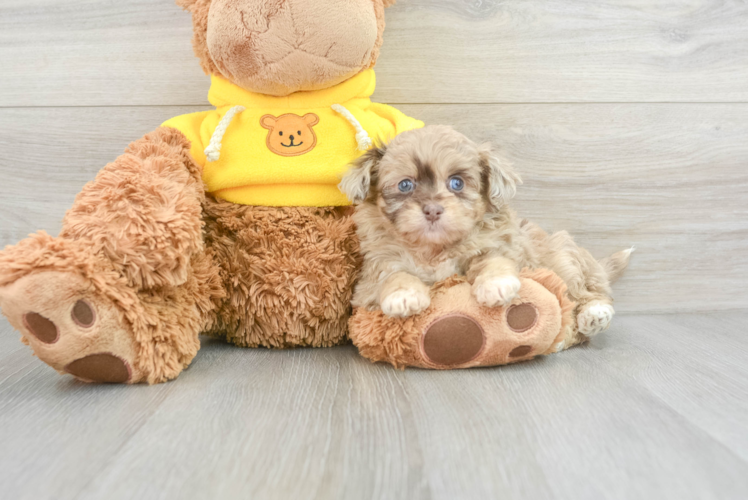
(505, 335)
(69, 327)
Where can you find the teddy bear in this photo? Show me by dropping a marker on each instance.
(230, 223)
(226, 222)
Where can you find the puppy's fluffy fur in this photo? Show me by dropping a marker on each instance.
(432, 203)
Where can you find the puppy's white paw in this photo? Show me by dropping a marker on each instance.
(494, 292)
(594, 318)
(405, 302)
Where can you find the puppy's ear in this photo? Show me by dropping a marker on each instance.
(499, 178)
(357, 181)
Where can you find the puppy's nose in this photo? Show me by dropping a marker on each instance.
(433, 212)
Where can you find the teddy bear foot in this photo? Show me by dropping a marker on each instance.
(457, 332)
(457, 339)
(471, 335)
(70, 328)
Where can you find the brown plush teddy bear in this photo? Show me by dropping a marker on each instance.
(227, 222)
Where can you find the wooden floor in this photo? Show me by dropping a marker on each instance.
(655, 408)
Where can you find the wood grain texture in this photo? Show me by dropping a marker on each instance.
(643, 411)
(669, 179)
(137, 52)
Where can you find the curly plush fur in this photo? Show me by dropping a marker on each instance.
(288, 273)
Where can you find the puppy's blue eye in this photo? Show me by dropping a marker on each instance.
(456, 183)
(406, 186)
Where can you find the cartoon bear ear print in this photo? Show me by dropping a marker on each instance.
(311, 119)
(268, 122)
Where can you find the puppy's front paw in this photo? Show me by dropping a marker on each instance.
(492, 292)
(405, 302)
(594, 318)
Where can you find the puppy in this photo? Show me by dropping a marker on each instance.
(432, 203)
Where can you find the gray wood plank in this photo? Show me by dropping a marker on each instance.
(670, 179)
(695, 363)
(337, 428)
(57, 435)
(138, 52)
(608, 420)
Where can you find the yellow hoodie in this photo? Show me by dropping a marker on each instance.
(287, 151)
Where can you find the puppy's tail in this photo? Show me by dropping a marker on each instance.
(617, 263)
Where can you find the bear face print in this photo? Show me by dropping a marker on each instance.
(290, 134)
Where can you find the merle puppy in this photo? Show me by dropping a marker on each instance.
(432, 203)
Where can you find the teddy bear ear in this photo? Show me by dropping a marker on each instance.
(389, 3)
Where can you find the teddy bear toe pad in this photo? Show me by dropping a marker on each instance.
(453, 340)
(69, 327)
(104, 368)
(41, 328)
(522, 317)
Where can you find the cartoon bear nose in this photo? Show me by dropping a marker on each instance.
(290, 137)
(433, 212)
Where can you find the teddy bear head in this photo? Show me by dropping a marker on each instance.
(278, 47)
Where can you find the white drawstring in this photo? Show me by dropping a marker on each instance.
(362, 137)
(213, 151)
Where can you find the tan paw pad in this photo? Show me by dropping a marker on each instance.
(521, 351)
(453, 340)
(103, 368)
(41, 328)
(522, 317)
(83, 314)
